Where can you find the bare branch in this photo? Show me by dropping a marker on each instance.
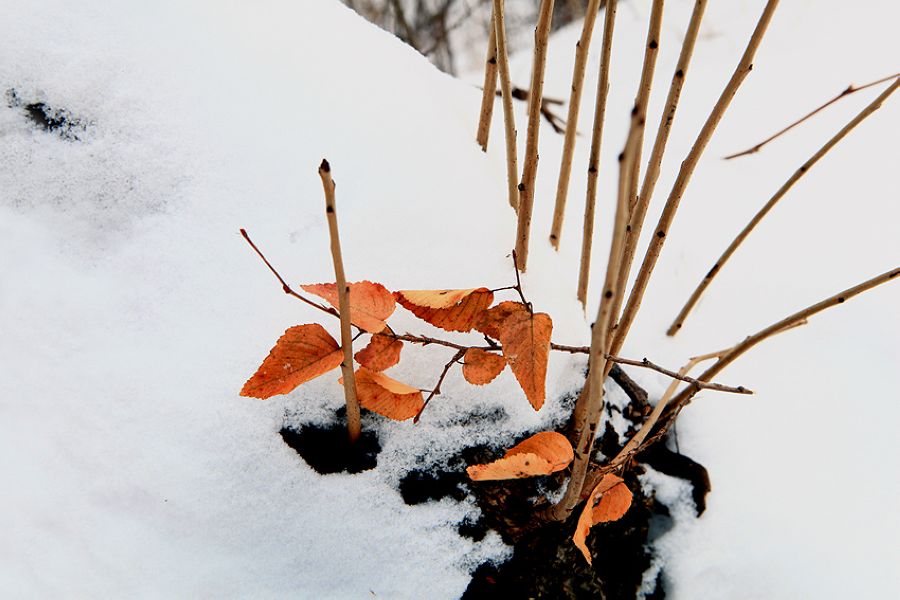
(782, 191)
(850, 89)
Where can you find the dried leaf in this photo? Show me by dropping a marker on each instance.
(370, 303)
(614, 501)
(525, 338)
(541, 454)
(481, 367)
(437, 298)
(304, 352)
(491, 319)
(460, 316)
(389, 397)
(382, 352)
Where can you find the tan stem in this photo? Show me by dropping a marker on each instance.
(589, 408)
(489, 90)
(529, 171)
(684, 175)
(587, 235)
(565, 170)
(509, 117)
(783, 325)
(353, 413)
(782, 191)
(651, 176)
(638, 125)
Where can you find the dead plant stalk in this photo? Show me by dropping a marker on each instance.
(529, 172)
(509, 116)
(745, 65)
(353, 412)
(590, 202)
(488, 92)
(651, 175)
(782, 191)
(582, 46)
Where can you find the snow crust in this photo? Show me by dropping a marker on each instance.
(132, 311)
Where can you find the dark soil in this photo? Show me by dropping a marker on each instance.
(48, 118)
(328, 449)
(545, 563)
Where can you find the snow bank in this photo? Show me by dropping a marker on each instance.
(133, 311)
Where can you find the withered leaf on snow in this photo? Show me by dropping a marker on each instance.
(370, 303)
(304, 352)
(541, 454)
(452, 310)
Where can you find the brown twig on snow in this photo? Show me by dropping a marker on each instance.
(850, 89)
(745, 65)
(437, 387)
(284, 286)
(353, 412)
(529, 171)
(782, 191)
(509, 117)
(674, 407)
(590, 202)
(565, 170)
(489, 89)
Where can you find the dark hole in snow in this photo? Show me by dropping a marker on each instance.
(328, 449)
(50, 119)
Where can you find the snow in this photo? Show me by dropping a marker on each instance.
(133, 311)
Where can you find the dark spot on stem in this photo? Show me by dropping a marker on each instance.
(325, 167)
(608, 294)
(653, 45)
(660, 234)
(679, 73)
(329, 209)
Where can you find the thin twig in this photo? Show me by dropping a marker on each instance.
(284, 286)
(529, 171)
(850, 89)
(437, 387)
(582, 46)
(587, 235)
(684, 175)
(490, 86)
(353, 412)
(509, 117)
(518, 286)
(782, 191)
(651, 176)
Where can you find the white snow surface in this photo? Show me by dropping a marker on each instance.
(132, 311)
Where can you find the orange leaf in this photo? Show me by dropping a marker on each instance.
(304, 352)
(491, 319)
(526, 346)
(370, 303)
(614, 501)
(459, 316)
(437, 298)
(481, 367)
(382, 352)
(386, 396)
(541, 454)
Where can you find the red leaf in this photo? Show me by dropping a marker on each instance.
(525, 338)
(304, 352)
(481, 367)
(541, 454)
(382, 352)
(609, 501)
(389, 397)
(460, 316)
(370, 303)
